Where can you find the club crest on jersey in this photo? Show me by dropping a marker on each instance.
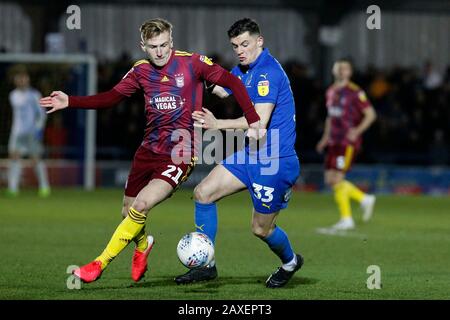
(206, 60)
(263, 88)
(179, 79)
(166, 102)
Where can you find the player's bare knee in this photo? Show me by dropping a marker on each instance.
(337, 180)
(201, 195)
(141, 206)
(260, 231)
(330, 182)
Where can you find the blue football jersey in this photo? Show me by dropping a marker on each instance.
(266, 82)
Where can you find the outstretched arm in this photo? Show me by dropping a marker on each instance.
(126, 87)
(58, 100)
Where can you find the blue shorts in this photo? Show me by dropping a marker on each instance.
(269, 181)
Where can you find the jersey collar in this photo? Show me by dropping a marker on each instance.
(260, 58)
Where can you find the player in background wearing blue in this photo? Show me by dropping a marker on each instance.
(270, 173)
(26, 134)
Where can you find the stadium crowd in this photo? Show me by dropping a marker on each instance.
(412, 103)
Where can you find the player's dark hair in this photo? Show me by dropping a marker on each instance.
(242, 26)
(154, 27)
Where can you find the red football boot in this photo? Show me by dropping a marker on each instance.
(89, 272)
(139, 263)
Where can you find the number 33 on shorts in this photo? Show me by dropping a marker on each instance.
(268, 200)
(267, 196)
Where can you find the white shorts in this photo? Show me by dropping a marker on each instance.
(25, 144)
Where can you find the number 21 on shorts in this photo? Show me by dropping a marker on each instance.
(170, 173)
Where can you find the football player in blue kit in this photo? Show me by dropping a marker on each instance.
(268, 172)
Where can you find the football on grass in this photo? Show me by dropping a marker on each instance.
(195, 250)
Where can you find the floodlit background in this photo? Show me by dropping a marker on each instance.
(404, 67)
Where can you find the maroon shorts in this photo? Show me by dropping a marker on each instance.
(340, 157)
(148, 166)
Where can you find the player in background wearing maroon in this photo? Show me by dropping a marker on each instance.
(172, 83)
(350, 114)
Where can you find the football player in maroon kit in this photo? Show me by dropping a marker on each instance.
(350, 114)
(172, 83)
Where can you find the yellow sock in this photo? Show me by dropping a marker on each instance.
(124, 234)
(342, 198)
(353, 191)
(141, 240)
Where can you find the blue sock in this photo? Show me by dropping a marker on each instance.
(206, 219)
(279, 243)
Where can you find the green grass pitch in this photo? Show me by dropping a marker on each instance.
(408, 238)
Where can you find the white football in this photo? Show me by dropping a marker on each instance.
(195, 250)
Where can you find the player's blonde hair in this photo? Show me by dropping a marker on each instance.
(154, 27)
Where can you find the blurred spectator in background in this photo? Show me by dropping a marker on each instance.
(411, 103)
(307, 95)
(379, 90)
(26, 133)
(432, 80)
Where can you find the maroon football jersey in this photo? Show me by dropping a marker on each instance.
(171, 93)
(345, 106)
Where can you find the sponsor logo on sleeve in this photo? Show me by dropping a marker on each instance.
(362, 96)
(206, 60)
(263, 88)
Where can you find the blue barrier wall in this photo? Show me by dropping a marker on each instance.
(385, 179)
(375, 179)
